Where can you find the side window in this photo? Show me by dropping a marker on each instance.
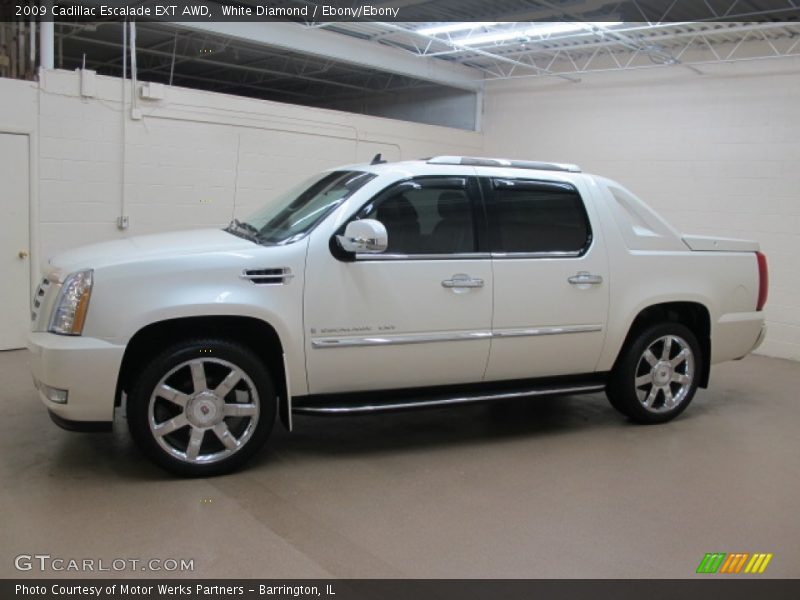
(538, 216)
(425, 216)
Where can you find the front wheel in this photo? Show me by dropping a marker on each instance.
(202, 407)
(656, 376)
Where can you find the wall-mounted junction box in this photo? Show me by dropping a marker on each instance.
(152, 91)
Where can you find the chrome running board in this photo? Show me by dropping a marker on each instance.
(321, 408)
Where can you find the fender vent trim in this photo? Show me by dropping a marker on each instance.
(278, 276)
(38, 298)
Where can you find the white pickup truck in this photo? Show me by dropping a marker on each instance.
(380, 287)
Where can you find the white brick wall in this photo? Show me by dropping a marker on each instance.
(194, 160)
(716, 154)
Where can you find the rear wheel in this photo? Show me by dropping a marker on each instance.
(202, 407)
(656, 377)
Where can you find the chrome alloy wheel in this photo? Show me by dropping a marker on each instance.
(203, 410)
(664, 374)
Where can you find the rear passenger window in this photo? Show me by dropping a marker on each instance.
(538, 216)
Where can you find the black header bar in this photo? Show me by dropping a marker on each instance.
(322, 11)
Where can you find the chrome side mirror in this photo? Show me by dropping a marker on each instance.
(364, 236)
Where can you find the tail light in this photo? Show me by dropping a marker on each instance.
(763, 280)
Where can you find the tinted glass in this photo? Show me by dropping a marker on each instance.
(538, 217)
(425, 217)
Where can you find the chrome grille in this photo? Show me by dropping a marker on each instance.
(278, 276)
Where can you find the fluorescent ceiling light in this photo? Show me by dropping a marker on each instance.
(452, 27)
(540, 29)
(497, 36)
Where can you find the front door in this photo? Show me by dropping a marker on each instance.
(417, 315)
(551, 280)
(15, 291)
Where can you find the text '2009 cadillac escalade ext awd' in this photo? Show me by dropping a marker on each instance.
(385, 287)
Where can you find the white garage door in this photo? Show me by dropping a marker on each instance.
(14, 242)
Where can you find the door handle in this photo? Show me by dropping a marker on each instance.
(585, 278)
(23, 254)
(462, 281)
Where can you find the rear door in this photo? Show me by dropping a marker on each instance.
(551, 278)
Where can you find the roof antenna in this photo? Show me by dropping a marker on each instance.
(377, 160)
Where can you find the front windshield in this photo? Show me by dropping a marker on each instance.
(293, 214)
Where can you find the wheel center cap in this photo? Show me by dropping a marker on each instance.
(204, 410)
(662, 373)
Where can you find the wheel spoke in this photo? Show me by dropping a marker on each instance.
(173, 424)
(665, 352)
(240, 410)
(224, 388)
(644, 379)
(668, 399)
(195, 441)
(651, 397)
(225, 436)
(170, 393)
(679, 358)
(650, 357)
(198, 376)
(681, 378)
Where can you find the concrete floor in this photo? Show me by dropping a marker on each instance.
(544, 488)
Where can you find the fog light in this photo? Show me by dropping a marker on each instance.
(53, 394)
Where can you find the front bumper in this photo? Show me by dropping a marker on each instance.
(87, 368)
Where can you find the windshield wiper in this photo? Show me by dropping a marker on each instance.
(245, 230)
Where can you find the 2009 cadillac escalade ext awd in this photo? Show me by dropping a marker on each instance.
(391, 286)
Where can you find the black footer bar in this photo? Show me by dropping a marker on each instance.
(396, 589)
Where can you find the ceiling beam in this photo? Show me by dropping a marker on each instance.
(341, 48)
(226, 65)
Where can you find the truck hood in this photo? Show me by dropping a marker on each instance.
(147, 247)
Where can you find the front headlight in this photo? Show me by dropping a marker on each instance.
(69, 313)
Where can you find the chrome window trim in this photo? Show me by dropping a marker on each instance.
(472, 255)
(552, 254)
(397, 256)
(426, 338)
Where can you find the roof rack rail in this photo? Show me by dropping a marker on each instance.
(473, 161)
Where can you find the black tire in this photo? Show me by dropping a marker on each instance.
(672, 381)
(232, 421)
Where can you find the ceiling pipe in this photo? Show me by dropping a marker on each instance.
(134, 70)
(47, 39)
